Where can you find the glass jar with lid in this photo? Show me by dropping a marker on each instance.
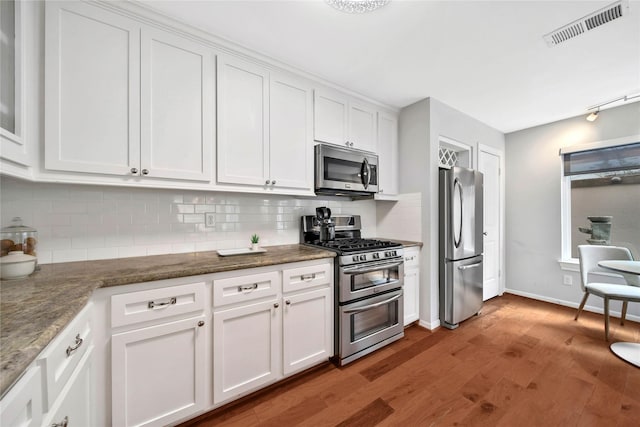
(18, 237)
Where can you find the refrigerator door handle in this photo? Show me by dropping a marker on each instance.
(458, 186)
(464, 267)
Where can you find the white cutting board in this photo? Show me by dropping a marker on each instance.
(240, 251)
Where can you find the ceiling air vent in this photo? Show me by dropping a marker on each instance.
(587, 23)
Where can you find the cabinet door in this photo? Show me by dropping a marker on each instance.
(362, 127)
(291, 141)
(411, 295)
(243, 126)
(388, 154)
(22, 405)
(158, 373)
(307, 329)
(330, 115)
(92, 90)
(177, 107)
(246, 349)
(74, 406)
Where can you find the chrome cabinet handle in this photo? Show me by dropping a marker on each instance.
(63, 423)
(134, 171)
(247, 287)
(201, 323)
(145, 171)
(71, 349)
(276, 305)
(287, 302)
(273, 182)
(308, 277)
(464, 267)
(268, 182)
(346, 143)
(153, 304)
(484, 233)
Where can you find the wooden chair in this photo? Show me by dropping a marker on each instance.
(590, 255)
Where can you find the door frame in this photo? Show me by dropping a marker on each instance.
(500, 154)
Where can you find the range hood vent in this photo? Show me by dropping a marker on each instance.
(592, 21)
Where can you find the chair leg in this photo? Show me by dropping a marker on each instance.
(624, 312)
(606, 318)
(584, 300)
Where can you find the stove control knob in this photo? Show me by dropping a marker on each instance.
(355, 257)
(394, 253)
(387, 254)
(376, 255)
(363, 257)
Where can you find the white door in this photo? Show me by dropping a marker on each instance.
(291, 140)
(307, 329)
(158, 373)
(92, 88)
(362, 127)
(387, 154)
(243, 122)
(330, 115)
(246, 348)
(489, 163)
(177, 107)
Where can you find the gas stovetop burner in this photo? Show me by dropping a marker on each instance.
(352, 245)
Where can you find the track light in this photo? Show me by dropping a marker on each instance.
(617, 101)
(593, 116)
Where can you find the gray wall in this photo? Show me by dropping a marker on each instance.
(533, 211)
(421, 126)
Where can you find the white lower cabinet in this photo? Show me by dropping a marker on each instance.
(246, 342)
(22, 405)
(158, 373)
(411, 284)
(307, 329)
(75, 407)
(262, 339)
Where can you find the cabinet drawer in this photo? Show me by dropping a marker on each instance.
(411, 259)
(62, 355)
(297, 279)
(154, 304)
(245, 288)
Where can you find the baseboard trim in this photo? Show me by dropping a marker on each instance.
(571, 304)
(429, 325)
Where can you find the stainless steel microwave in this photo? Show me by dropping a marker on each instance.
(345, 171)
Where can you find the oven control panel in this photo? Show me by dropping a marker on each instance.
(385, 254)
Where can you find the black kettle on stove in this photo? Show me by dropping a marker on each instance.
(327, 225)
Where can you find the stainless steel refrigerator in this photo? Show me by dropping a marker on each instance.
(461, 245)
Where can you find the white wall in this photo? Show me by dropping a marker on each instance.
(420, 127)
(85, 222)
(533, 228)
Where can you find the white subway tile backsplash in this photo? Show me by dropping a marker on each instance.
(80, 222)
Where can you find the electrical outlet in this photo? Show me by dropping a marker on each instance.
(209, 219)
(567, 280)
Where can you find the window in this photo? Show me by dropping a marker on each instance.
(601, 200)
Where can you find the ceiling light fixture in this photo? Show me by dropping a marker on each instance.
(593, 116)
(356, 6)
(622, 99)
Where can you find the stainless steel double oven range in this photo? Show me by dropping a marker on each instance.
(368, 287)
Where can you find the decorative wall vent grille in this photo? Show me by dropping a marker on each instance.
(447, 158)
(587, 23)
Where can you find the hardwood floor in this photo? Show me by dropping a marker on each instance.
(520, 363)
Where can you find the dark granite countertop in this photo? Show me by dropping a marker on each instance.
(34, 310)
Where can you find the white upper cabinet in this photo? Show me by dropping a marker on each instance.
(177, 107)
(387, 155)
(291, 140)
(343, 121)
(92, 120)
(125, 99)
(264, 128)
(243, 122)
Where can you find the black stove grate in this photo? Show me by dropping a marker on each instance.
(350, 245)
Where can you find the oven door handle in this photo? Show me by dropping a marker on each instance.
(377, 267)
(370, 306)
